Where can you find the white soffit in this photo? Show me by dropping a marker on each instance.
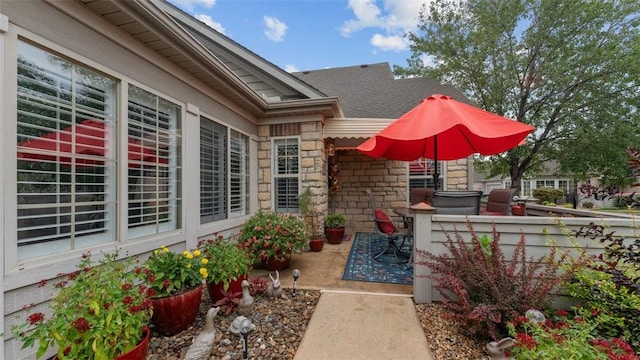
(356, 128)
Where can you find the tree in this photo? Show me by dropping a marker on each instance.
(569, 68)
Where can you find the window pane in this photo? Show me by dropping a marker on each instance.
(287, 159)
(154, 163)
(213, 174)
(66, 163)
(239, 173)
(421, 174)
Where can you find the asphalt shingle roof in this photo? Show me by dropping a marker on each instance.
(370, 91)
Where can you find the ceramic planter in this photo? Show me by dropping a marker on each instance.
(215, 289)
(172, 314)
(276, 263)
(334, 236)
(137, 353)
(316, 244)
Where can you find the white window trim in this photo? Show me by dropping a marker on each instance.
(29, 271)
(274, 165)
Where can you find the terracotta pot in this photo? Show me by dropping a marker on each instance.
(215, 289)
(137, 353)
(316, 244)
(175, 313)
(276, 263)
(334, 236)
(517, 210)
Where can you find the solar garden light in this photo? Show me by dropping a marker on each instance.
(245, 329)
(296, 275)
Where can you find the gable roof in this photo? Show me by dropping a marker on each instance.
(371, 91)
(245, 78)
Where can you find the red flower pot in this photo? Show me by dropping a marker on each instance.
(276, 263)
(334, 236)
(175, 313)
(316, 244)
(137, 353)
(215, 289)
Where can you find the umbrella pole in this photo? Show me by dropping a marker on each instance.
(436, 175)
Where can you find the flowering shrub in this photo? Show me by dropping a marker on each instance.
(225, 260)
(268, 235)
(566, 337)
(168, 273)
(97, 313)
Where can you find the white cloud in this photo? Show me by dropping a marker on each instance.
(390, 43)
(274, 28)
(394, 17)
(189, 5)
(209, 21)
(291, 68)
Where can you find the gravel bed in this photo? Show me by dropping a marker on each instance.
(280, 324)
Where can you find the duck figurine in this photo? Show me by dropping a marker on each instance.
(201, 347)
(246, 304)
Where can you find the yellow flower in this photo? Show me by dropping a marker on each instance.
(188, 265)
(196, 253)
(189, 255)
(165, 249)
(184, 253)
(204, 261)
(204, 272)
(156, 252)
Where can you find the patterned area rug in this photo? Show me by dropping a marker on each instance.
(362, 267)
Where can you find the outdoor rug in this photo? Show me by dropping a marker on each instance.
(362, 267)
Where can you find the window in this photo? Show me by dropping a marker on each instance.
(286, 175)
(526, 188)
(154, 164)
(421, 174)
(224, 172)
(66, 164)
(549, 184)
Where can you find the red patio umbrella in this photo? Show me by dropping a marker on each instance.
(441, 128)
(89, 146)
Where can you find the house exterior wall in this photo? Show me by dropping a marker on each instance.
(86, 39)
(388, 181)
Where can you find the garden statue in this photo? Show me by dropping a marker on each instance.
(275, 289)
(496, 349)
(246, 304)
(201, 347)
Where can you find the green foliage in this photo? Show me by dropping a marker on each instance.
(308, 211)
(547, 195)
(267, 234)
(611, 283)
(563, 337)
(226, 261)
(170, 273)
(98, 312)
(562, 67)
(483, 292)
(335, 221)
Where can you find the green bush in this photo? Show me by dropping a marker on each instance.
(548, 195)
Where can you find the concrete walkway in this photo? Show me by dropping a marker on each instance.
(355, 325)
(354, 319)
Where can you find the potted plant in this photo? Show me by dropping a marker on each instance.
(334, 228)
(176, 283)
(310, 216)
(273, 237)
(97, 312)
(227, 265)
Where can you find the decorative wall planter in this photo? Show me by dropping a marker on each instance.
(175, 313)
(215, 289)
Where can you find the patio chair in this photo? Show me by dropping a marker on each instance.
(388, 231)
(421, 194)
(499, 202)
(457, 202)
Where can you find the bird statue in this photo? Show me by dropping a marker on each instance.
(245, 306)
(275, 288)
(201, 347)
(236, 324)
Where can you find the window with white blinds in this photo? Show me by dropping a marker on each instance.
(67, 162)
(421, 174)
(154, 169)
(287, 174)
(65, 155)
(224, 172)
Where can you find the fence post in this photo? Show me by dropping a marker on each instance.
(421, 241)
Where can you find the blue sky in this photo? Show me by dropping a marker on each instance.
(299, 35)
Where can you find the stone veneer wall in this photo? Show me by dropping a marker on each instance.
(312, 164)
(388, 181)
